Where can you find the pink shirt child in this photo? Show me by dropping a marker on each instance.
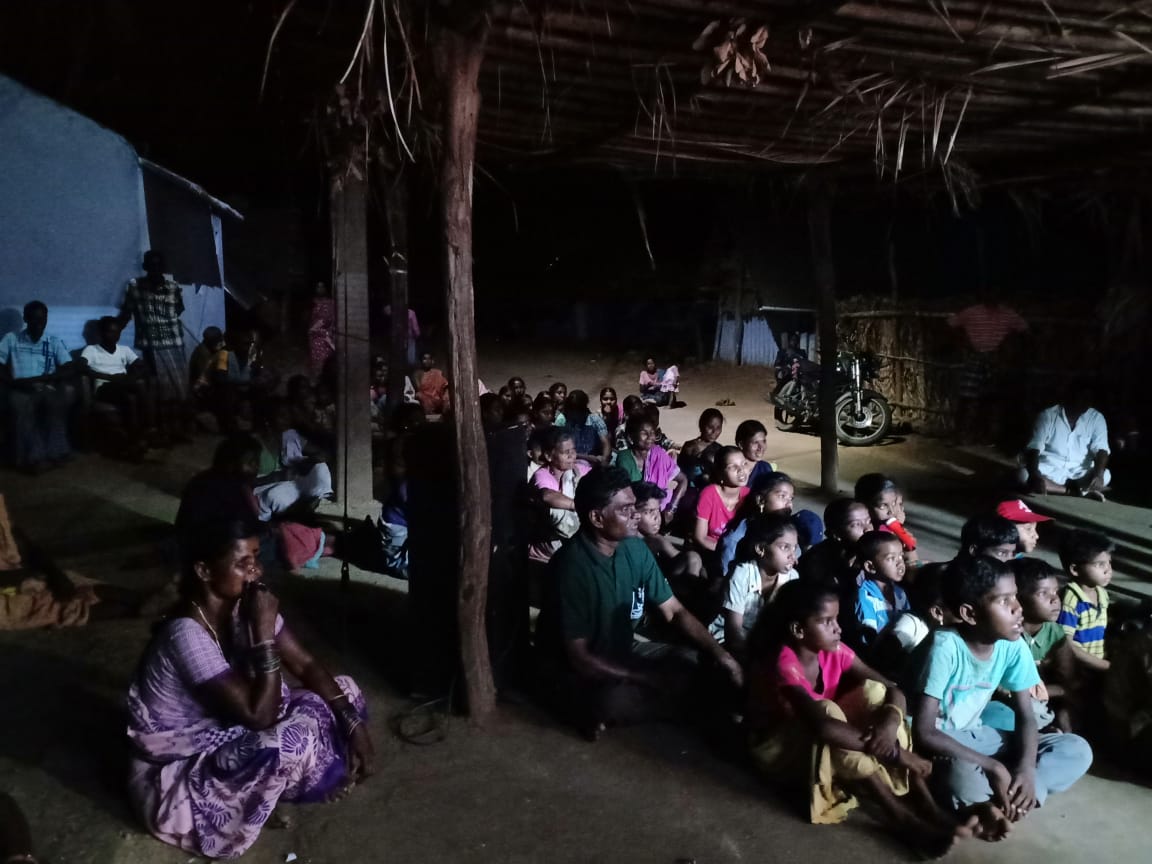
(768, 705)
(711, 508)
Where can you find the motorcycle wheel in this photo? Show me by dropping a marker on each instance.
(786, 421)
(870, 426)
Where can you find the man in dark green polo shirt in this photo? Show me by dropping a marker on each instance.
(603, 578)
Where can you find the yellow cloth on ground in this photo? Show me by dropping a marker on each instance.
(32, 605)
(790, 754)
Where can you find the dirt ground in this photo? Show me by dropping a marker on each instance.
(523, 789)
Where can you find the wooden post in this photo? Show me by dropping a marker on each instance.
(739, 356)
(349, 217)
(824, 273)
(458, 55)
(893, 275)
(396, 214)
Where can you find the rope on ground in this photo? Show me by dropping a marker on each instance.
(427, 723)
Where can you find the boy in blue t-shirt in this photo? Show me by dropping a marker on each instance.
(975, 763)
(879, 598)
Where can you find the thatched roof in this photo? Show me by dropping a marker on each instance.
(895, 86)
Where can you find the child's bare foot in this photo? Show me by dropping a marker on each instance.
(936, 841)
(991, 822)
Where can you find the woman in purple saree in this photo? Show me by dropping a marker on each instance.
(646, 460)
(218, 737)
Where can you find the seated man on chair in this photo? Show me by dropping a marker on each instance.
(118, 379)
(37, 369)
(1069, 450)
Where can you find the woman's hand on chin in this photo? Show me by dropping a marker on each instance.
(261, 607)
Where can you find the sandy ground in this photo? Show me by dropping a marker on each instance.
(523, 789)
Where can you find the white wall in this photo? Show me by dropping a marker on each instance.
(72, 222)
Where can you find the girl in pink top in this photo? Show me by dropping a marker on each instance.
(823, 718)
(718, 502)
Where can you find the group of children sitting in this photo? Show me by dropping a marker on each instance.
(951, 695)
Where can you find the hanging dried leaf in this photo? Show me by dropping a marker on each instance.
(737, 52)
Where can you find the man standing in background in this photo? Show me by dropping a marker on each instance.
(986, 325)
(156, 303)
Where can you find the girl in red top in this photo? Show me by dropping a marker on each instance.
(885, 502)
(718, 502)
(822, 718)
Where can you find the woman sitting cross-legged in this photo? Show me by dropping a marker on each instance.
(218, 737)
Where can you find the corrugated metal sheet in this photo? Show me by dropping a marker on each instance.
(761, 340)
(759, 348)
(725, 346)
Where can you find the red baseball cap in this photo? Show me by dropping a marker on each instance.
(1017, 511)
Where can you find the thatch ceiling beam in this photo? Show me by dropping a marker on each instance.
(990, 31)
(596, 76)
(1137, 80)
(1050, 16)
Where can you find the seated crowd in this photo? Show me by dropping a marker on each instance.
(672, 581)
(676, 580)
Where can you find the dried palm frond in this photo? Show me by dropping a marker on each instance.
(737, 52)
(1091, 64)
(956, 128)
(960, 181)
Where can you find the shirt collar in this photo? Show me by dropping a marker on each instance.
(1101, 594)
(592, 552)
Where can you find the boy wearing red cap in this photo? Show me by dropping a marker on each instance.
(1026, 521)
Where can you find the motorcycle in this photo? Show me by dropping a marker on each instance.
(863, 416)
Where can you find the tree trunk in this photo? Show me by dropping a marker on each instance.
(349, 218)
(396, 212)
(824, 273)
(458, 57)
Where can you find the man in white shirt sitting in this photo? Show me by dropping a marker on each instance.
(1068, 451)
(118, 378)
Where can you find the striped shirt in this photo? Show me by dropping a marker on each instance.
(26, 358)
(987, 326)
(1085, 622)
(157, 312)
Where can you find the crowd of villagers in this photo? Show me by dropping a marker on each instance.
(677, 581)
(674, 580)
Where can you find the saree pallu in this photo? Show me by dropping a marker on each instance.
(209, 789)
(659, 468)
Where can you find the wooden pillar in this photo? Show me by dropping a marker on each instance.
(458, 56)
(349, 217)
(396, 213)
(739, 357)
(824, 273)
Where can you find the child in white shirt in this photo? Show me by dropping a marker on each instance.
(765, 560)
